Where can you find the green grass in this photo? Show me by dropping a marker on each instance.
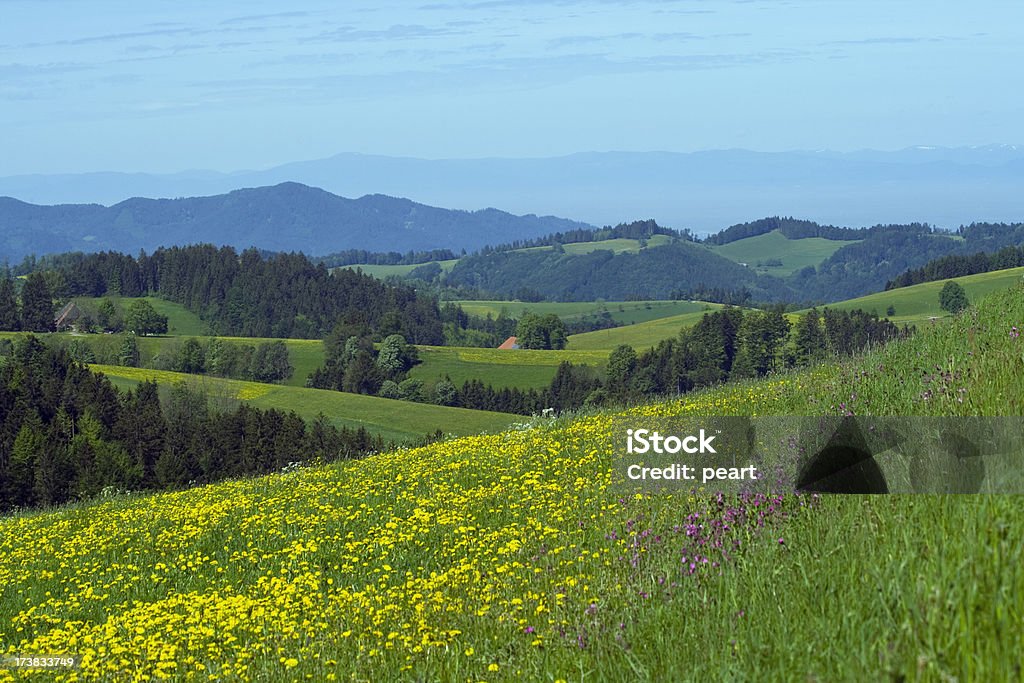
(515, 368)
(382, 272)
(914, 304)
(520, 368)
(794, 254)
(619, 245)
(621, 311)
(640, 336)
(180, 320)
(918, 303)
(393, 420)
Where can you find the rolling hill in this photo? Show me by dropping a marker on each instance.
(393, 420)
(914, 304)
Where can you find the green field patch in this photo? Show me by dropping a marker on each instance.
(618, 245)
(518, 368)
(624, 312)
(774, 246)
(392, 420)
(919, 303)
(180, 320)
(641, 335)
(383, 271)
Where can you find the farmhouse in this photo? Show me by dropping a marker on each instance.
(510, 343)
(67, 317)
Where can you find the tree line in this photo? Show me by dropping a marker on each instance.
(67, 433)
(251, 294)
(728, 344)
(791, 227)
(956, 265)
(351, 257)
(636, 230)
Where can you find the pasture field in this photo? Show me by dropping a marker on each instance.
(180, 320)
(506, 557)
(914, 304)
(619, 245)
(519, 368)
(794, 254)
(393, 420)
(383, 271)
(625, 312)
(918, 303)
(641, 335)
(522, 369)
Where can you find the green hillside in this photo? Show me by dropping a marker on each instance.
(383, 271)
(618, 246)
(912, 304)
(512, 556)
(520, 368)
(180, 320)
(393, 420)
(918, 303)
(621, 311)
(639, 336)
(774, 246)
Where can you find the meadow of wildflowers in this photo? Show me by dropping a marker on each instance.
(506, 556)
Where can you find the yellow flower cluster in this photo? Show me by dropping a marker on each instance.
(449, 561)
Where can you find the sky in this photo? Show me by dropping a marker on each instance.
(165, 86)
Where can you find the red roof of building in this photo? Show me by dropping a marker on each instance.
(509, 343)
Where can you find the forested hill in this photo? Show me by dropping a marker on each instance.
(249, 295)
(285, 217)
(677, 269)
(660, 263)
(792, 228)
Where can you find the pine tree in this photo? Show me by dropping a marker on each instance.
(36, 305)
(28, 446)
(128, 355)
(621, 366)
(810, 337)
(9, 319)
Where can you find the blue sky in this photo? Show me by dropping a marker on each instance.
(167, 86)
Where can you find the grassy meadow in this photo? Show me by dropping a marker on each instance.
(794, 254)
(180, 320)
(639, 336)
(618, 246)
(625, 312)
(383, 271)
(492, 558)
(918, 303)
(393, 420)
(519, 368)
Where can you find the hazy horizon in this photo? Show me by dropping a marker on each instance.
(109, 86)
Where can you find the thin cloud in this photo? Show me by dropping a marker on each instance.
(264, 17)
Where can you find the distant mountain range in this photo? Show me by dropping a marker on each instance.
(284, 217)
(703, 191)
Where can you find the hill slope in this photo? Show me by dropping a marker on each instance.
(655, 272)
(285, 217)
(508, 556)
